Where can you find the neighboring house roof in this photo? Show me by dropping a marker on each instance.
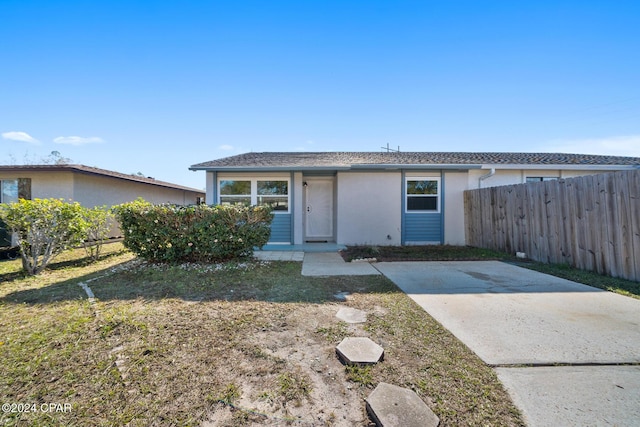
(95, 171)
(351, 160)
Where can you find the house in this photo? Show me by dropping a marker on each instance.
(88, 186)
(380, 198)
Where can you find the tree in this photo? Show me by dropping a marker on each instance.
(44, 227)
(56, 158)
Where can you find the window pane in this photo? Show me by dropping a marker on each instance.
(424, 203)
(24, 188)
(9, 190)
(540, 178)
(273, 188)
(422, 187)
(235, 187)
(276, 203)
(235, 200)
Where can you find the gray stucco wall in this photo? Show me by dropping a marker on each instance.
(369, 208)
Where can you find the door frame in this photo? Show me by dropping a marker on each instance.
(310, 179)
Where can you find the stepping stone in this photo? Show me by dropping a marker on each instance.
(392, 406)
(359, 351)
(351, 315)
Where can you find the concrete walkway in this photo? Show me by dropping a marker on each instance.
(512, 317)
(319, 263)
(278, 255)
(332, 264)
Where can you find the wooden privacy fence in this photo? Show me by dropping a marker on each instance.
(590, 222)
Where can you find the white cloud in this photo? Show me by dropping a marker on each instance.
(628, 145)
(20, 136)
(77, 140)
(226, 147)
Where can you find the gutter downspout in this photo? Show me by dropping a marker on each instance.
(488, 175)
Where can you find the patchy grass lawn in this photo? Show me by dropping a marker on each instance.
(612, 284)
(239, 344)
(467, 253)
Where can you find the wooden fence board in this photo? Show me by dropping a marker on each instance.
(614, 227)
(634, 205)
(626, 241)
(603, 247)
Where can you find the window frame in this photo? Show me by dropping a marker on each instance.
(538, 178)
(265, 197)
(254, 189)
(244, 196)
(437, 196)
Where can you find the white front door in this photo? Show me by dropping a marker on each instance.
(319, 209)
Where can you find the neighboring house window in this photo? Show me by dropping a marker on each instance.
(540, 178)
(261, 192)
(423, 195)
(13, 189)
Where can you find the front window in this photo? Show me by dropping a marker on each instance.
(274, 194)
(235, 192)
(423, 195)
(254, 191)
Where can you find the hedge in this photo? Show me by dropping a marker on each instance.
(170, 233)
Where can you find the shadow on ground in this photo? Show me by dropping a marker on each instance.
(234, 281)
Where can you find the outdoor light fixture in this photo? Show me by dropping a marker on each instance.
(304, 184)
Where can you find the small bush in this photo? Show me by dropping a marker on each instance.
(44, 227)
(98, 225)
(170, 233)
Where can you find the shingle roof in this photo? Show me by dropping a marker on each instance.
(95, 171)
(294, 160)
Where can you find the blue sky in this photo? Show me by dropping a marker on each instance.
(157, 86)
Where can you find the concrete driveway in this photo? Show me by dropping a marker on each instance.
(510, 317)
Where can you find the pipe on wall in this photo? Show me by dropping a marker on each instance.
(492, 172)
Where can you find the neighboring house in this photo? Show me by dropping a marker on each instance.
(88, 186)
(380, 198)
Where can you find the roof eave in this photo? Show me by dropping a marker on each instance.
(331, 168)
(447, 166)
(267, 168)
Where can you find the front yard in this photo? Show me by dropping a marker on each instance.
(238, 344)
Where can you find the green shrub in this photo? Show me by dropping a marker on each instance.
(44, 227)
(98, 225)
(170, 233)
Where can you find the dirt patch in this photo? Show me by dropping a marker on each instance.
(292, 352)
